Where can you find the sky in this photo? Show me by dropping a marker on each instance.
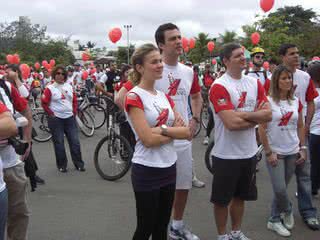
(92, 20)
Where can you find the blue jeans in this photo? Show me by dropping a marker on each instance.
(68, 126)
(3, 212)
(314, 143)
(280, 176)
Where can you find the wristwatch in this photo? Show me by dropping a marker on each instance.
(164, 129)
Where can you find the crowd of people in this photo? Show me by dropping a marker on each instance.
(278, 107)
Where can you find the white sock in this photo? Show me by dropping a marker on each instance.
(235, 233)
(177, 224)
(223, 237)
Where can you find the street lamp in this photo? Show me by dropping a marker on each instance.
(128, 42)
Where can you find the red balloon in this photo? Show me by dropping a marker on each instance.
(25, 71)
(85, 57)
(186, 50)
(210, 46)
(45, 64)
(52, 63)
(266, 5)
(255, 38)
(192, 43)
(185, 42)
(37, 65)
(315, 58)
(214, 61)
(85, 75)
(266, 65)
(115, 34)
(16, 59)
(92, 71)
(9, 58)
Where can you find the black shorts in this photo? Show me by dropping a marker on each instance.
(233, 178)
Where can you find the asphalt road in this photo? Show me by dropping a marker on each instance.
(83, 206)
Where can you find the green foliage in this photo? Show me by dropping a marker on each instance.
(32, 44)
(287, 25)
(122, 54)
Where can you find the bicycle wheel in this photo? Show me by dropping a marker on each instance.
(85, 123)
(198, 130)
(204, 117)
(112, 157)
(40, 129)
(97, 113)
(207, 156)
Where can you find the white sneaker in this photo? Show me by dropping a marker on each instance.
(288, 220)
(197, 183)
(182, 234)
(239, 236)
(278, 228)
(205, 141)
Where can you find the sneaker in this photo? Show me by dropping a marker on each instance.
(197, 183)
(239, 236)
(182, 234)
(278, 228)
(288, 220)
(63, 170)
(313, 224)
(81, 169)
(205, 141)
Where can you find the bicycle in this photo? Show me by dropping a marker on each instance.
(113, 153)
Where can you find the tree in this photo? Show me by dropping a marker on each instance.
(228, 37)
(122, 54)
(32, 44)
(286, 25)
(90, 45)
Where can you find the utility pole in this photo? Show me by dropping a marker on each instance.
(128, 27)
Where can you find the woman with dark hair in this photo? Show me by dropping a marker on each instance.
(314, 138)
(152, 115)
(124, 73)
(60, 102)
(284, 143)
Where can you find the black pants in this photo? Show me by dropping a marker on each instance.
(153, 213)
(314, 145)
(210, 125)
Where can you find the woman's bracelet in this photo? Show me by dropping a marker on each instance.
(304, 148)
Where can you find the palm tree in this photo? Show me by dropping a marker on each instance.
(228, 36)
(91, 45)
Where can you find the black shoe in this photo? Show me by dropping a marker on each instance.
(313, 224)
(314, 192)
(64, 170)
(39, 180)
(81, 169)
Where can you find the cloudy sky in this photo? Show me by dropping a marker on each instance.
(92, 19)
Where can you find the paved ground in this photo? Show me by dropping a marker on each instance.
(82, 206)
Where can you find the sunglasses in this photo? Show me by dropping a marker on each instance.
(258, 57)
(59, 73)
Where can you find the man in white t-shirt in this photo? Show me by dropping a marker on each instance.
(306, 92)
(77, 75)
(179, 84)
(239, 104)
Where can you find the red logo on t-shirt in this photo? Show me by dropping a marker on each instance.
(163, 115)
(285, 118)
(62, 96)
(242, 99)
(174, 84)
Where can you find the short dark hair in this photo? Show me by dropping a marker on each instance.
(227, 50)
(59, 67)
(314, 71)
(15, 68)
(159, 35)
(284, 48)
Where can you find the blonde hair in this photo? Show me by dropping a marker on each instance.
(138, 58)
(274, 91)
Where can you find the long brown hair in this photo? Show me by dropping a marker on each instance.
(138, 58)
(274, 91)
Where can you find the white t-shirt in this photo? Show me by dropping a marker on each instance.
(78, 77)
(158, 111)
(178, 82)
(103, 78)
(60, 98)
(2, 183)
(304, 88)
(315, 124)
(282, 131)
(244, 95)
